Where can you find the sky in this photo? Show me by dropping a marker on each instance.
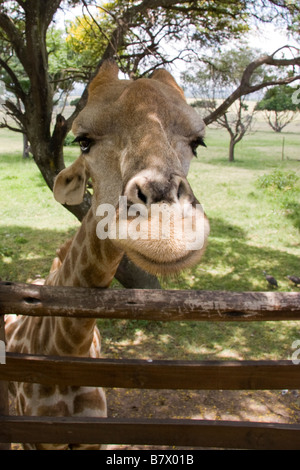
(270, 39)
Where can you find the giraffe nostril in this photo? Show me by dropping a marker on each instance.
(180, 190)
(141, 195)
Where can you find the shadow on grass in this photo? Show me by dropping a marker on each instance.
(198, 340)
(232, 262)
(26, 253)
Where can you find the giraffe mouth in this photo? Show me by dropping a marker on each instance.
(163, 246)
(163, 267)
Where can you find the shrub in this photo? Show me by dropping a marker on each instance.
(278, 179)
(69, 141)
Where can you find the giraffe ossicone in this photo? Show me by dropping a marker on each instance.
(137, 140)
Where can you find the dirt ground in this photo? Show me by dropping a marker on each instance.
(258, 406)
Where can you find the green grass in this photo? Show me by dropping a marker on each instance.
(252, 229)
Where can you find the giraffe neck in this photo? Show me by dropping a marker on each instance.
(88, 262)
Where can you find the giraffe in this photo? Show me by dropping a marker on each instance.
(137, 139)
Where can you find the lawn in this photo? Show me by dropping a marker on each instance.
(252, 229)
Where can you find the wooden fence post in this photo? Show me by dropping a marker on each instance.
(4, 407)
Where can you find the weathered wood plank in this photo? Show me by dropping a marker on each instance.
(193, 375)
(163, 305)
(207, 434)
(3, 384)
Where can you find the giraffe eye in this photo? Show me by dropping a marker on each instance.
(195, 144)
(84, 143)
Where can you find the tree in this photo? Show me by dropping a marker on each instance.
(237, 124)
(131, 29)
(25, 69)
(87, 37)
(217, 76)
(247, 86)
(136, 30)
(279, 106)
(32, 78)
(60, 62)
(237, 120)
(27, 54)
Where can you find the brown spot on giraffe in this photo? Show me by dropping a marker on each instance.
(91, 400)
(83, 256)
(59, 409)
(46, 390)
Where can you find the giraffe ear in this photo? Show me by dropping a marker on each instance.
(164, 76)
(70, 183)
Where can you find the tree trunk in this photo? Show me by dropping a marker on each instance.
(26, 147)
(131, 276)
(231, 149)
(57, 142)
(277, 126)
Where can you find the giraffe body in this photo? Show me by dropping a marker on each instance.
(137, 141)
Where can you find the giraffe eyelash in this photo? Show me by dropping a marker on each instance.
(84, 142)
(196, 143)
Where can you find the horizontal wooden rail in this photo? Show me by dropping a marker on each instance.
(193, 375)
(216, 434)
(163, 305)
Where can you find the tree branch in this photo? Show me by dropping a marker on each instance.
(246, 88)
(17, 86)
(50, 9)
(4, 125)
(15, 38)
(15, 113)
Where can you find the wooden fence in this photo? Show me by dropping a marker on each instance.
(194, 375)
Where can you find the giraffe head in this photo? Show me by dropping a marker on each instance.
(137, 140)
